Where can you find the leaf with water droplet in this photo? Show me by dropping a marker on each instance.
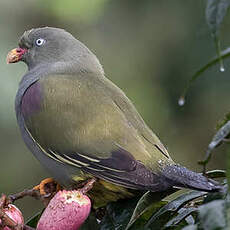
(215, 12)
(181, 101)
(218, 51)
(218, 138)
(224, 54)
(222, 69)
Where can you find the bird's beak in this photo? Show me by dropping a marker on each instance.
(15, 55)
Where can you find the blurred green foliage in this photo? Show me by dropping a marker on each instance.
(148, 48)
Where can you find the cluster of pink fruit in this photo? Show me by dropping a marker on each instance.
(66, 211)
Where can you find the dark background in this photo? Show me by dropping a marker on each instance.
(148, 48)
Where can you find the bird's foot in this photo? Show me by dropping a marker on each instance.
(47, 186)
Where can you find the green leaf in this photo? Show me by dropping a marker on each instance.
(148, 201)
(175, 204)
(228, 169)
(218, 138)
(215, 12)
(222, 133)
(118, 214)
(133, 213)
(223, 121)
(217, 173)
(32, 222)
(181, 216)
(90, 223)
(224, 54)
(214, 196)
(228, 212)
(212, 215)
(142, 220)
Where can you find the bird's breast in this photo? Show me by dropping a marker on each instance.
(31, 100)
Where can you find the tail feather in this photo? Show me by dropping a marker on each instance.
(178, 176)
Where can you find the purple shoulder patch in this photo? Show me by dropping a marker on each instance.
(31, 100)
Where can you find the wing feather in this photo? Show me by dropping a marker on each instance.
(87, 123)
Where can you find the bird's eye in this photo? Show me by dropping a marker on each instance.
(40, 41)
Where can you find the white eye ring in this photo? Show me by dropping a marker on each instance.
(40, 41)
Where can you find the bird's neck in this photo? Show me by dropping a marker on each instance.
(86, 62)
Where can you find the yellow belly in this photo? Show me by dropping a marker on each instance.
(104, 192)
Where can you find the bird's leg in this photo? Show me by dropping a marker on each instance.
(47, 189)
(88, 185)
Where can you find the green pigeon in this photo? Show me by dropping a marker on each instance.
(80, 125)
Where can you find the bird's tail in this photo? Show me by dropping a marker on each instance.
(178, 176)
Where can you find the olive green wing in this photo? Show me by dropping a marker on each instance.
(87, 122)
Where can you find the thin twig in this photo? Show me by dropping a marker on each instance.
(27, 192)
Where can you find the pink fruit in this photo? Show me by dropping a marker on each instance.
(66, 211)
(15, 214)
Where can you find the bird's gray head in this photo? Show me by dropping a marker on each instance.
(47, 45)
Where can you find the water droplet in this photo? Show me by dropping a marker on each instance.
(181, 101)
(222, 69)
(212, 145)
